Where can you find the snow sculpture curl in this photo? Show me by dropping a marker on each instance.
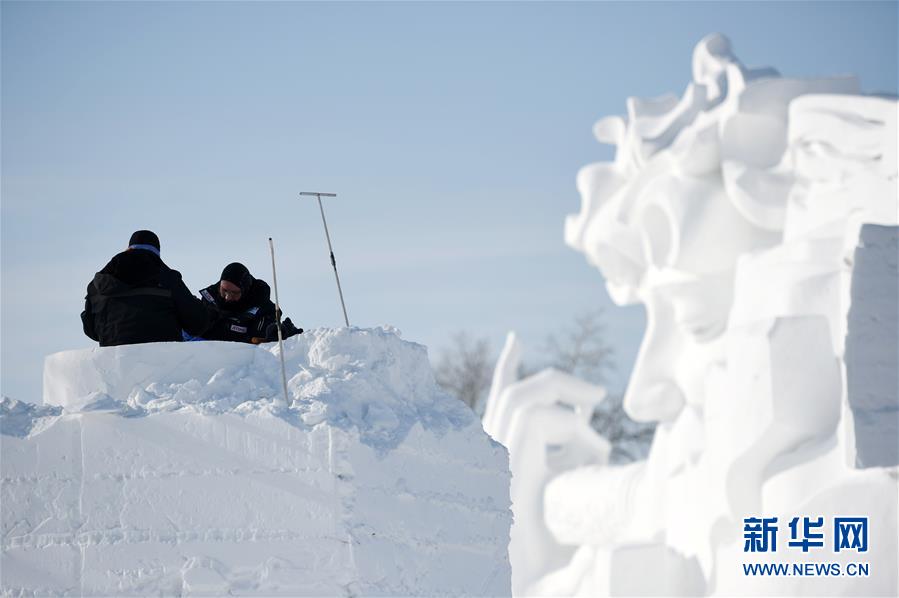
(734, 214)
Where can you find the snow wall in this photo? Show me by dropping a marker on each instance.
(755, 218)
(172, 468)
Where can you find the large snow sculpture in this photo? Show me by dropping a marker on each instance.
(733, 214)
(168, 468)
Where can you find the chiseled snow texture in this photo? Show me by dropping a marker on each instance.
(732, 213)
(169, 468)
(872, 348)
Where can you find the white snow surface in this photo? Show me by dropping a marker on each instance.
(173, 468)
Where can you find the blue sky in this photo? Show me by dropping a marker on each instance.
(452, 133)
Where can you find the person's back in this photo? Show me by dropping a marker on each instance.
(136, 298)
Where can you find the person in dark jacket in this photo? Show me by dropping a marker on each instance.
(246, 312)
(136, 298)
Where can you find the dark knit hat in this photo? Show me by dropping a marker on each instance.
(238, 274)
(144, 237)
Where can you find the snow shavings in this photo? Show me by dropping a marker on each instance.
(21, 419)
(367, 379)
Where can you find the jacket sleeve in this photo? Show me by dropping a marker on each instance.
(267, 314)
(87, 316)
(192, 314)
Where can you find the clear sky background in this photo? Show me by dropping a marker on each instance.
(452, 133)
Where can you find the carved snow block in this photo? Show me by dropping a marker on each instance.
(872, 347)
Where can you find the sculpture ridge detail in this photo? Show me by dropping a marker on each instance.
(733, 214)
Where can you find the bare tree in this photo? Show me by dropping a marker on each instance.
(581, 350)
(465, 369)
(630, 439)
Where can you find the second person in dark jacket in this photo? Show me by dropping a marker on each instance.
(136, 298)
(246, 312)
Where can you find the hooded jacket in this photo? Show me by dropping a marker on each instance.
(136, 298)
(240, 320)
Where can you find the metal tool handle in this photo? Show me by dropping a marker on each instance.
(321, 209)
(271, 247)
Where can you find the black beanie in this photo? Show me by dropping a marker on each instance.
(144, 237)
(238, 274)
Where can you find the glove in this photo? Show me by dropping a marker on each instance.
(287, 330)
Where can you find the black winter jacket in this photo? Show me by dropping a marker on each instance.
(136, 298)
(241, 320)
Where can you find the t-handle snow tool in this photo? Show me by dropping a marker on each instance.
(286, 405)
(330, 249)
